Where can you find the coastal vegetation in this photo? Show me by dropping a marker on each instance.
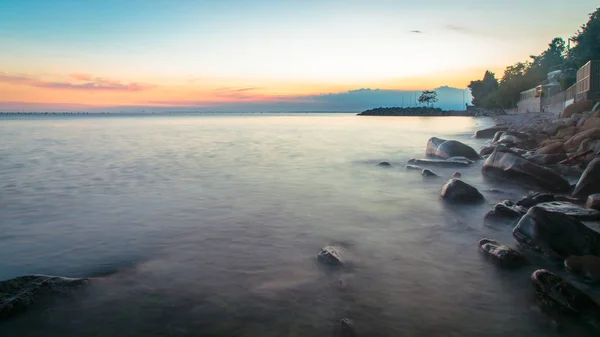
(583, 46)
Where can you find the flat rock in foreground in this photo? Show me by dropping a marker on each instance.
(508, 164)
(19, 293)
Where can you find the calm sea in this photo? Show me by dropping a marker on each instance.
(209, 226)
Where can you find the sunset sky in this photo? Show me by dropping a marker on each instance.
(64, 53)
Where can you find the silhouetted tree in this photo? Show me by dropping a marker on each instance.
(428, 97)
(587, 42)
(482, 90)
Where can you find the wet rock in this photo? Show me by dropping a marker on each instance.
(439, 162)
(571, 209)
(330, 256)
(506, 209)
(428, 173)
(347, 328)
(456, 175)
(458, 191)
(19, 293)
(546, 159)
(553, 293)
(413, 167)
(566, 132)
(445, 149)
(593, 201)
(487, 150)
(556, 234)
(502, 254)
(590, 123)
(535, 198)
(459, 158)
(573, 143)
(510, 165)
(385, 164)
(497, 136)
(553, 148)
(587, 266)
(489, 132)
(589, 183)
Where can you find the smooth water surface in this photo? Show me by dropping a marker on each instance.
(209, 226)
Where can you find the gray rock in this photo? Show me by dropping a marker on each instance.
(535, 198)
(506, 209)
(593, 201)
(413, 167)
(456, 175)
(556, 234)
(589, 183)
(489, 132)
(385, 164)
(587, 266)
(347, 328)
(459, 158)
(510, 165)
(441, 148)
(456, 190)
(502, 254)
(571, 209)
(330, 255)
(428, 173)
(487, 150)
(557, 295)
(497, 136)
(19, 293)
(439, 162)
(546, 159)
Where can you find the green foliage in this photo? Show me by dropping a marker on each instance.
(488, 93)
(428, 97)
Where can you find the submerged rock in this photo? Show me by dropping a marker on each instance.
(445, 149)
(557, 295)
(439, 162)
(502, 254)
(413, 167)
(385, 164)
(330, 255)
(587, 266)
(456, 175)
(589, 183)
(456, 190)
(428, 173)
(508, 164)
(506, 209)
(19, 293)
(556, 234)
(571, 209)
(347, 328)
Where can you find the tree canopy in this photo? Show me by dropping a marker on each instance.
(490, 93)
(428, 97)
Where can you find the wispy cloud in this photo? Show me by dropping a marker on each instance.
(82, 82)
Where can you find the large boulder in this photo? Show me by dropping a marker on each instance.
(330, 256)
(589, 183)
(571, 209)
(555, 295)
(503, 255)
(556, 234)
(573, 143)
(577, 108)
(508, 164)
(587, 266)
(441, 148)
(458, 191)
(439, 162)
(19, 293)
(489, 132)
(546, 159)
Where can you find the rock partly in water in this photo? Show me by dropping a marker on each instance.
(587, 266)
(347, 328)
(439, 162)
(413, 168)
(458, 191)
(445, 149)
(330, 255)
(593, 201)
(589, 183)
(554, 294)
(506, 209)
(456, 175)
(571, 209)
(487, 150)
(428, 173)
(508, 164)
(19, 293)
(535, 198)
(497, 136)
(556, 234)
(489, 132)
(385, 164)
(502, 254)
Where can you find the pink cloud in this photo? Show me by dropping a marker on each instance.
(90, 83)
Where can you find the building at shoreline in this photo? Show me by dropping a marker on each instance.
(548, 97)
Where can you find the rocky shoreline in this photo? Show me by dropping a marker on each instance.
(429, 112)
